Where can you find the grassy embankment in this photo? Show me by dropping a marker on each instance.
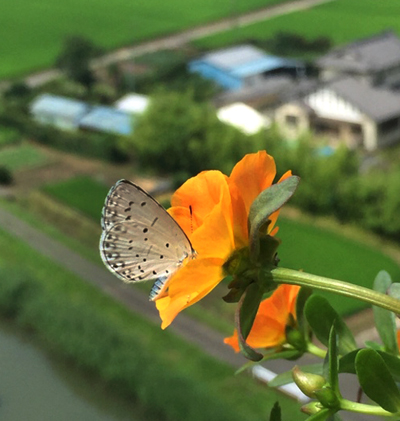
(304, 246)
(31, 34)
(340, 20)
(170, 378)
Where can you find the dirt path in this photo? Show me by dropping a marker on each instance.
(182, 38)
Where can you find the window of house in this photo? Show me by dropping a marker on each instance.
(292, 120)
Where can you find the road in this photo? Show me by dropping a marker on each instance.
(182, 38)
(205, 338)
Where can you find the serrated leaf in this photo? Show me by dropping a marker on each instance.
(266, 203)
(376, 380)
(385, 320)
(321, 316)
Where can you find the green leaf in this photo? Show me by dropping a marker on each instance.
(376, 380)
(249, 308)
(385, 320)
(347, 362)
(302, 297)
(244, 318)
(321, 316)
(267, 202)
(286, 377)
(275, 414)
(394, 290)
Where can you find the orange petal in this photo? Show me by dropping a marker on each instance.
(253, 174)
(189, 285)
(200, 193)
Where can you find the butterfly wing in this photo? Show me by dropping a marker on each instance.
(140, 240)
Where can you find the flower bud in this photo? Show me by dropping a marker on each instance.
(308, 383)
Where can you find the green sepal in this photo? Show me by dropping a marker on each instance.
(328, 398)
(266, 203)
(318, 414)
(385, 320)
(376, 380)
(275, 414)
(294, 337)
(321, 316)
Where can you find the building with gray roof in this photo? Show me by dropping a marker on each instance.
(375, 60)
(345, 110)
(242, 65)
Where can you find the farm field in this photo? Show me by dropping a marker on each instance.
(325, 253)
(304, 246)
(32, 33)
(340, 20)
(23, 156)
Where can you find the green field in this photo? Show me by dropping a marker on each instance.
(22, 157)
(340, 20)
(32, 32)
(81, 193)
(321, 252)
(304, 246)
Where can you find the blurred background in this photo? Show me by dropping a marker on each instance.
(94, 91)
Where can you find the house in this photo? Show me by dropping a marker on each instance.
(63, 113)
(133, 103)
(243, 65)
(107, 120)
(268, 94)
(243, 117)
(375, 60)
(345, 110)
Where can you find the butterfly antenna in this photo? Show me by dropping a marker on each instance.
(191, 219)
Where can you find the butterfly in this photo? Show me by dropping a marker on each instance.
(140, 240)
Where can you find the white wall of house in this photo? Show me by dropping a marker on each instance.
(327, 104)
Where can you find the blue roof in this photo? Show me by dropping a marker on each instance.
(107, 119)
(245, 60)
(262, 65)
(58, 106)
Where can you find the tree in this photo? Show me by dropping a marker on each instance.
(75, 58)
(178, 135)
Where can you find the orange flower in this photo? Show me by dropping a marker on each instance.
(272, 317)
(212, 209)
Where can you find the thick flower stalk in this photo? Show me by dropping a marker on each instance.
(213, 210)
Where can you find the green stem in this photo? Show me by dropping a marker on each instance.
(313, 349)
(294, 277)
(364, 409)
